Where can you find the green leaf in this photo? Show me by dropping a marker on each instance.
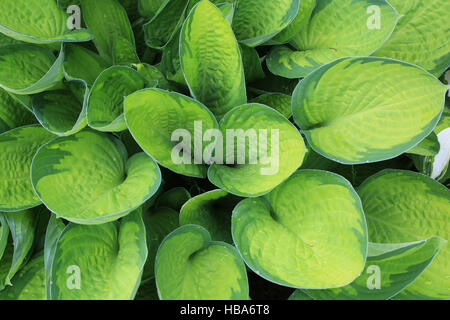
(81, 63)
(63, 4)
(315, 239)
(87, 178)
(364, 122)
(124, 52)
(335, 30)
(211, 59)
(39, 69)
(299, 295)
(255, 22)
(153, 76)
(442, 159)
(5, 40)
(421, 36)
(189, 266)
(54, 229)
(4, 233)
(427, 147)
(148, 8)
(29, 282)
(272, 147)
(105, 106)
(62, 112)
(165, 24)
(170, 62)
(252, 64)
(112, 275)
(227, 10)
(17, 148)
(211, 210)
(107, 20)
(404, 206)
(302, 18)
(154, 116)
(174, 198)
(38, 21)
(389, 269)
(22, 229)
(12, 113)
(159, 222)
(278, 101)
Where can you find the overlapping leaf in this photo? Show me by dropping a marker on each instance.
(38, 21)
(336, 29)
(421, 36)
(215, 269)
(211, 210)
(403, 206)
(113, 275)
(259, 149)
(40, 70)
(389, 269)
(154, 118)
(17, 148)
(211, 60)
(87, 178)
(105, 106)
(255, 22)
(315, 239)
(374, 116)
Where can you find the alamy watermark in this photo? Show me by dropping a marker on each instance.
(73, 281)
(374, 20)
(374, 280)
(237, 147)
(74, 20)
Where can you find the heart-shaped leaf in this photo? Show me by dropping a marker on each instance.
(211, 210)
(112, 275)
(404, 206)
(255, 22)
(105, 106)
(336, 29)
(158, 119)
(389, 269)
(310, 232)
(38, 21)
(350, 120)
(211, 59)
(421, 36)
(87, 178)
(260, 149)
(17, 148)
(189, 266)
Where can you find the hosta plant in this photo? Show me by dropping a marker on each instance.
(233, 150)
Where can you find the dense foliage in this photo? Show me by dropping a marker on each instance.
(119, 178)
